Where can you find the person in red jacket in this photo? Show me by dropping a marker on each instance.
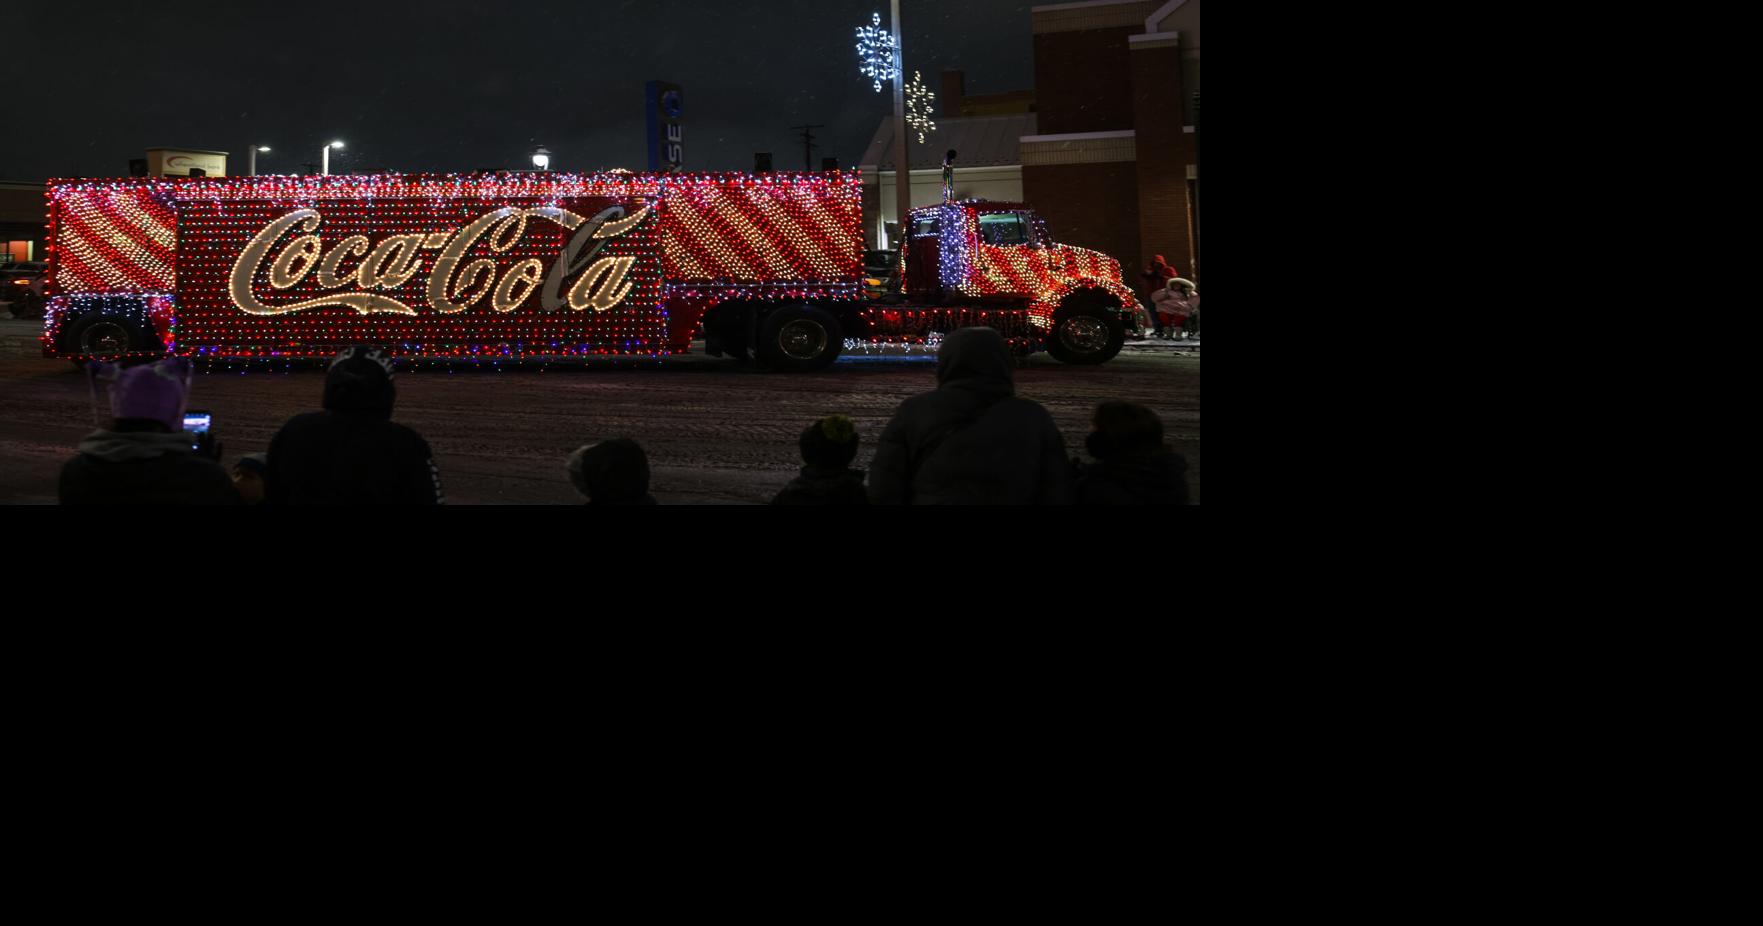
(1157, 276)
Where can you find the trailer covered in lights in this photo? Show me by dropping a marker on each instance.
(543, 265)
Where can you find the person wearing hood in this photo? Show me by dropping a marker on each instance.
(145, 457)
(1178, 306)
(352, 453)
(1157, 277)
(1190, 295)
(828, 447)
(611, 472)
(1135, 466)
(971, 441)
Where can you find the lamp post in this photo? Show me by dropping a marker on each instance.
(326, 169)
(902, 176)
(1196, 186)
(542, 157)
(254, 150)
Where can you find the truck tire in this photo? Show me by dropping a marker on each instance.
(800, 339)
(105, 336)
(1086, 333)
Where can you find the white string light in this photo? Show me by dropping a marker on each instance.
(875, 53)
(920, 107)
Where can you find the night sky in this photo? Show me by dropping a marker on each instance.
(445, 85)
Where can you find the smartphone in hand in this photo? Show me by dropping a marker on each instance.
(197, 424)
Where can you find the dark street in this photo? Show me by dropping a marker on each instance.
(715, 433)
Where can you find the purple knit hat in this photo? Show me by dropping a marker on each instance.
(151, 390)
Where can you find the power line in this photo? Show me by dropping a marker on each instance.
(808, 144)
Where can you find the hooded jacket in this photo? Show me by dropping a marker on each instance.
(821, 486)
(143, 468)
(351, 453)
(1158, 478)
(971, 442)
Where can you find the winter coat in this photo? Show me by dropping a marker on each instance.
(351, 453)
(349, 458)
(1159, 273)
(143, 468)
(645, 500)
(1157, 479)
(817, 486)
(1170, 304)
(971, 442)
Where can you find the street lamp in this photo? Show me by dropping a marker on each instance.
(254, 150)
(327, 155)
(542, 157)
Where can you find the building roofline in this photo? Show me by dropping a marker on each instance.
(1078, 6)
(1076, 136)
(1155, 20)
(1153, 40)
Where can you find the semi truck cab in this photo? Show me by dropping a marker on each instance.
(1000, 254)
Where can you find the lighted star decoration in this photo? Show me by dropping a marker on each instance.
(920, 107)
(875, 52)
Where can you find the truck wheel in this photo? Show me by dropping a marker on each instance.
(1086, 333)
(800, 339)
(104, 336)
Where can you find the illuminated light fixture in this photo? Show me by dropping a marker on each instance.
(920, 107)
(254, 150)
(542, 157)
(326, 169)
(875, 53)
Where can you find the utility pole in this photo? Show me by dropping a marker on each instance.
(808, 144)
(903, 176)
(1196, 186)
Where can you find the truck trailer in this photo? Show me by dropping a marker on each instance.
(549, 265)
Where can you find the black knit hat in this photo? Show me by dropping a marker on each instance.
(360, 380)
(1124, 430)
(830, 443)
(612, 471)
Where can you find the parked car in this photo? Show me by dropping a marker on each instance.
(29, 266)
(21, 287)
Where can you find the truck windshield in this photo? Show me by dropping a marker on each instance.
(1002, 228)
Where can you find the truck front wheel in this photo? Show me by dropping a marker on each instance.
(1086, 333)
(800, 339)
(105, 336)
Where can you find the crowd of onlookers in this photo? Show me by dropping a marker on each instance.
(971, 440)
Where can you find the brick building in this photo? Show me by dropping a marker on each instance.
(1113, 164)
(23, 215)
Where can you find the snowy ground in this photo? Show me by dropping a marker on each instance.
(716, 432)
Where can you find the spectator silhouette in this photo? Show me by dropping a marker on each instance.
(145, 457)
(352, 453)
(828, 447)
(971, 441)
(1136, 467)
(611, 472)
(248, 477)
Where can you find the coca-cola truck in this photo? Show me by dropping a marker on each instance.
(544, 265)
